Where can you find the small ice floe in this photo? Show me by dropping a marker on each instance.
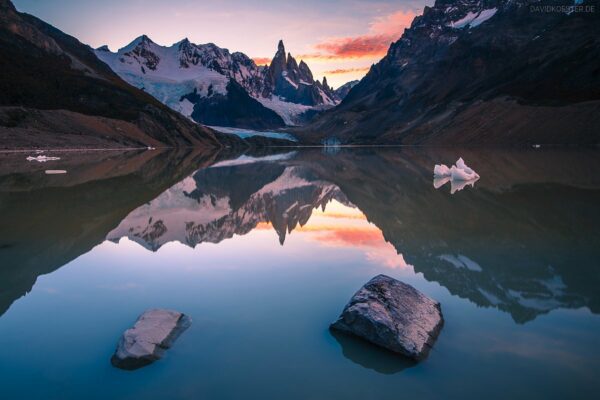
(460, 175)
(55, 171)
(151, 148)
(537, 146)
(42, 158)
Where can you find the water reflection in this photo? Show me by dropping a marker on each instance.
(524, 240)
(49, 220)
(372, 357)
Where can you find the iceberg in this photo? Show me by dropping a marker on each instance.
(42, 158)
(460, 175)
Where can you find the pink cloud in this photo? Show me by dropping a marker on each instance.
(340, 71)
(374, 44)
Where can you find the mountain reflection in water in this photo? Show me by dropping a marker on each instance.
(524, 239)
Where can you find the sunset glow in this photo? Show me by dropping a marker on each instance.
(338, 39)
(342, 226)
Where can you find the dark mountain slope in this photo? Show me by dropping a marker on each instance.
(235, 108)
(45, 69)
(479, 72)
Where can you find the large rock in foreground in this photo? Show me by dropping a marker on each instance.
(155, 331)
(393, 315)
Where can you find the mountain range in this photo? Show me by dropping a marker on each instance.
(472, 72)
(466, 72)
(55, 92)
(215, 87)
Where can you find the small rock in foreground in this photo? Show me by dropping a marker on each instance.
(154, 331)
(393, 315)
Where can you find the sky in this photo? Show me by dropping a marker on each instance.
(339, 39)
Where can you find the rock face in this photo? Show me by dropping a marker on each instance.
(155, 331)
(393, 315)
(471, 72)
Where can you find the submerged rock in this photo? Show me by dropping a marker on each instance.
(154, 331)
(393, 315)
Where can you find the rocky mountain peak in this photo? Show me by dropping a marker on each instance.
(142, 48)
(103, 48)
(145, 40)
(292, 66)
(325, 84)
(305, 73)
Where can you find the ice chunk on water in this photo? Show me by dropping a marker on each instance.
(42, 158)
(460, 175)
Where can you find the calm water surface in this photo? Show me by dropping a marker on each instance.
(264, 250)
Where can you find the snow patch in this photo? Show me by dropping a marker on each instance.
(473, 19)
(286, 110)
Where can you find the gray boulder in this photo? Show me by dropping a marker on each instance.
(393, 315)
(154, 331)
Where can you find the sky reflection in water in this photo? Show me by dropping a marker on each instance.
(264, 255)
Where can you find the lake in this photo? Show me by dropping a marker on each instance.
(263, 251)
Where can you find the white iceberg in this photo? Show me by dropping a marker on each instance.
(42, 158)
(55, 171)
(460, 175)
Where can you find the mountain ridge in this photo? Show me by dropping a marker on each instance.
(50, 79)
(278, 94)
(472, 72)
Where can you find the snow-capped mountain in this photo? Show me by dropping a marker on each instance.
(64, 96)
(213, 86)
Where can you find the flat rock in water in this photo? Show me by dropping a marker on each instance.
(393, 315)
(155, 331)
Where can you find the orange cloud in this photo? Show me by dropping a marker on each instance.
(369, 239)
(343, 215)
(353, 237)
(355, 47)
(347, 71)
(374, 44)
(346, 236)
(261, 60)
